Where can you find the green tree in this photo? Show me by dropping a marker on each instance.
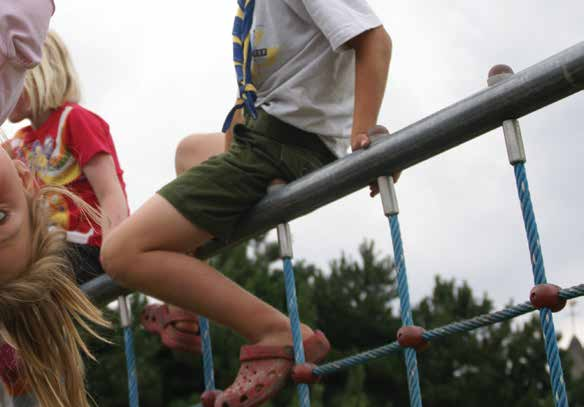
(354, 303)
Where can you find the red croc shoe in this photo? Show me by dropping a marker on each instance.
(161, 320)
(265, 370)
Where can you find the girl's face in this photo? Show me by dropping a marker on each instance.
(15, 225)
(22, 109)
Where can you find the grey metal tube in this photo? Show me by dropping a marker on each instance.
(125, 312)
(103, 290)
(527, 91)
(538, 86)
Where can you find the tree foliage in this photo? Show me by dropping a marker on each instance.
(355, 304)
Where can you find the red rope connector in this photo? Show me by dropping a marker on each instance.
(412, 337)
(303, 374)
(208, 398)
(547, 296)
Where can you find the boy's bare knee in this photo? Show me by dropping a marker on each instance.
(185, 149)
(188, 144)
(197, 148)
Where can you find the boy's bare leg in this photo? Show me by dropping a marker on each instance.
(146, 253)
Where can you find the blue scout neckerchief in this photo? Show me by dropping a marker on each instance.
(242, 57)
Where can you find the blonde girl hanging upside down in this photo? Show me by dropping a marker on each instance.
(320, 69)
(40, 302)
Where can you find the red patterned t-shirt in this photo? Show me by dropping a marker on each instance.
(57, 152)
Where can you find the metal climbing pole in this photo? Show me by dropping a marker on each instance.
(517, 158)
(126, 322)
(391, 210)
(207, 354)
(286, 253)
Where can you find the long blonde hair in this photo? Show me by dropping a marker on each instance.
(54, 81)
(41, 310)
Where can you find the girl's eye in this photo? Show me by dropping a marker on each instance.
(3, 216)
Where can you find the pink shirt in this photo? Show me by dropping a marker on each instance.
(23, 27)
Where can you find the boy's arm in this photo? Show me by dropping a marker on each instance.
(101, 174)
(373, 55)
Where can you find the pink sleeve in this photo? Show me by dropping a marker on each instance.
(23, 27)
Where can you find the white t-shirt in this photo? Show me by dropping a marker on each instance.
(303, 73)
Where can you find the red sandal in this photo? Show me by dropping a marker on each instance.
(160, 320)
(263, 373)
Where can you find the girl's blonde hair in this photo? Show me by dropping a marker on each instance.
(54, 81)
(41, 310)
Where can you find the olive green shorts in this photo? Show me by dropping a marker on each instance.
(217, 194)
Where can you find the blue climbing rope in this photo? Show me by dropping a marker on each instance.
(479, 322)
(207, 354)
(545, 315)
(442, 332)
(406, 312)
(126, 324)
(430, 336)
(292, 304)
(131, 366)
(356, 360)
(572, 292)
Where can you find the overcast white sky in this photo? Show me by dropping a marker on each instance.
(157, 71)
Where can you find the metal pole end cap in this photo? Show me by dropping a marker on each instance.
(499, 73)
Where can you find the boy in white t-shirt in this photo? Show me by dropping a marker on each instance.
(304, 66)
(319, 73)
